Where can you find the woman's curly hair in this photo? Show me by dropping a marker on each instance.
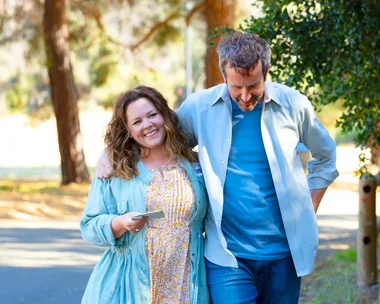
(123, 151)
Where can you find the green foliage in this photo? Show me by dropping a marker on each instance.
(101, 42)
(330, 50)
(29, 94)
(346, 256)
(335, 281)
(17, 96)
(52, 188)
(15, 99)
(167, 33)
(102, 65)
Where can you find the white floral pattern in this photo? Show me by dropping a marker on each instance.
(168, 238)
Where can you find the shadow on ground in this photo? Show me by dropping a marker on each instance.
(336, 233)
(44, 265)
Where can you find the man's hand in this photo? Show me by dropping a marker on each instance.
(104, 167)
(316, 196)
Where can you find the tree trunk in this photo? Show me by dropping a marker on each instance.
(64, 92)
(375, 147)
(219, 13)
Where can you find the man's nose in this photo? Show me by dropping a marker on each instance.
(245, 95)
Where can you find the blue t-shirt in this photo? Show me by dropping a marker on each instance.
(251, 221)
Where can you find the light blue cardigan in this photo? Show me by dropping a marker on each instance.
(122, 274)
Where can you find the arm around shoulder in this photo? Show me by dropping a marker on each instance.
(104, 168)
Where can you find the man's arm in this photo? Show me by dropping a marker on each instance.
(316, 196)
(322, 166)
(186, 122)
(104, 168)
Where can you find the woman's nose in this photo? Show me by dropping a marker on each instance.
(147, 124)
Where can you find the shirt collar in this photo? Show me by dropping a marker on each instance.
(223, 95)
(271, 93)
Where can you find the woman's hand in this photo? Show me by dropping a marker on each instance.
(134, 226)
(123, 223)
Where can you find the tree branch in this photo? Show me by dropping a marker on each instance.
(95, 14)
(200, 7)
(154, 29)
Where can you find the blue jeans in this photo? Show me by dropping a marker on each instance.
(254, 282)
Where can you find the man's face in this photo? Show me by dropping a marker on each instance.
(248, 89)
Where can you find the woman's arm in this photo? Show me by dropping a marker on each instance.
(123, 223)
(95, 224)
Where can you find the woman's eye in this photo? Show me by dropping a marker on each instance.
(136, 122)
(153, 114)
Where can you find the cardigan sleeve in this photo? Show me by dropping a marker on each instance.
(95, 224)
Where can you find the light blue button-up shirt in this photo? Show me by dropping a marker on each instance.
(287, 118)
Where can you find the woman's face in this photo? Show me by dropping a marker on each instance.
(146, 124)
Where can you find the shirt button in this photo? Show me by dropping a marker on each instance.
(223, 162)
(228, 140)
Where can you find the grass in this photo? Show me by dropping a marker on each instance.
(336, 282)
(41, 200)
(42, 187)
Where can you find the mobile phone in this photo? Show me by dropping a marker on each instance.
(151, 215)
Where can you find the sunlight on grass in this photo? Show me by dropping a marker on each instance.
(42, 187)
(336, 281)
(36, 200)
(348, 256)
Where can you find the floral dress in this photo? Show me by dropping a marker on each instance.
(167, 239)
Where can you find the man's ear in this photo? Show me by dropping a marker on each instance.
(224, 76)
(267, 73)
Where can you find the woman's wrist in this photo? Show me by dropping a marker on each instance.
(118, 225)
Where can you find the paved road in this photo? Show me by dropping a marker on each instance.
(47, 262)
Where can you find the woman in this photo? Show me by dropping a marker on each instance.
(147, 261)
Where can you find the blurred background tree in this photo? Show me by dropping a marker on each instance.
(64, 92)
(330, 50)
(110, 46)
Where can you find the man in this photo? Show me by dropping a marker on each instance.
(261, 230)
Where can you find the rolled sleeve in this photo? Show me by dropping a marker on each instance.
(322, 168)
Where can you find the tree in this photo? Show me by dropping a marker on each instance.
(330, 49)
(64, 92)
(219, 14)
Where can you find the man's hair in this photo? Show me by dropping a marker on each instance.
(124, 151)
(243, 51)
